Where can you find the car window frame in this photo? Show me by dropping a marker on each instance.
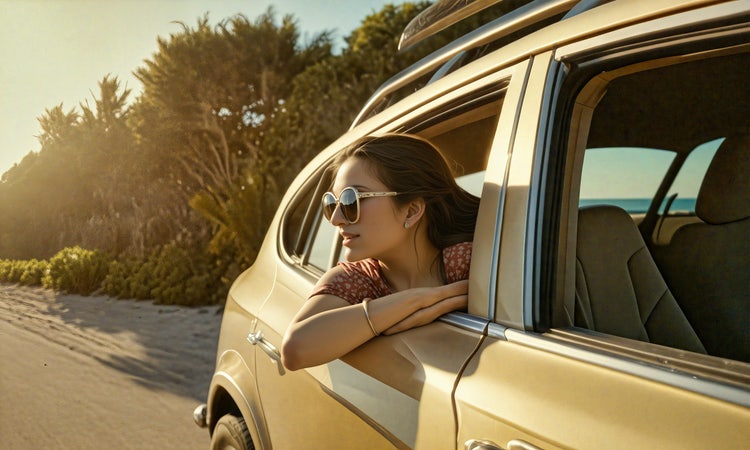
(550, 289)
(504, 83)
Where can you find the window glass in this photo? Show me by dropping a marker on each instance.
(689, 178)
(320, 250)
(293, 226)
(627, 177)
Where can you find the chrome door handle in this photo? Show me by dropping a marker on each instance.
(270, 350)
(517, 444)
(483, 444)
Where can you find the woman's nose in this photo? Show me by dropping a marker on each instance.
(337, 218)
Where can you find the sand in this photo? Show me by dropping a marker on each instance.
(96, 372)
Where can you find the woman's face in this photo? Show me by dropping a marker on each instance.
(379, 233)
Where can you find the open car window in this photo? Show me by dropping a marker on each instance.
(462, 130)
(641, 253)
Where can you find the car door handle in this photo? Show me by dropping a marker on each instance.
(483, 444)
(270, 350)
(517, 444)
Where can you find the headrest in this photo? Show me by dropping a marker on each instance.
(724, 196)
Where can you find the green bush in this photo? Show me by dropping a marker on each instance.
(117, 281)
(33, 272)
(28, 273)
(5, 265)
(175, 274)
(16, 270)
(76, 271)
(186, 276)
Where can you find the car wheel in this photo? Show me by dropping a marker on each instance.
(231, 433)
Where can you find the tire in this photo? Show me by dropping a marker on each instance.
(231, 433)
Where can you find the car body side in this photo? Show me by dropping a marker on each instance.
(492, 374)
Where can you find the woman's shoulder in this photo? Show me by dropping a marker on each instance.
(462, 251)
(457, 261)
(352, 281)
(368, 267)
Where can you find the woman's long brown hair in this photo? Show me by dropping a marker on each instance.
(413, 167)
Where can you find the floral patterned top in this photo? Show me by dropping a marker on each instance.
(364, 279)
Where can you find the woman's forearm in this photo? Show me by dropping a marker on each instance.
(322, 332)
(326, 335)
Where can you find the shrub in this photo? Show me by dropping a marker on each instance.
(76, 271)
(116, 282)
(186, 276)
(28, 273)
(33, 272)
(5, 268)
(175, 274)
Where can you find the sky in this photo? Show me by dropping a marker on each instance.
(56, 51)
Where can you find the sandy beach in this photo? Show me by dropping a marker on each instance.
(96, 372)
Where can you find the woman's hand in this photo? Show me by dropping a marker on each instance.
(440, 300)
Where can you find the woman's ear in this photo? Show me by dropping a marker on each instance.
(414, 211)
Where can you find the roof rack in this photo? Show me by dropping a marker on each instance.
(518, 19)
(442, 14)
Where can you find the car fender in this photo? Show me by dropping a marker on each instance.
(231, 373)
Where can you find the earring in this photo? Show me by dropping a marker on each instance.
(406, 224)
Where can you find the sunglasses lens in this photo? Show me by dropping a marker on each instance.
(348, 202)
(329, 205)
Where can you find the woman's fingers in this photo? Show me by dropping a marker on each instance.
(457, 288)
(430, 313)
(440, 293)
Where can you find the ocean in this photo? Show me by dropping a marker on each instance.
(640, 205)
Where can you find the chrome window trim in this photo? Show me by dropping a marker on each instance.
(661, 373)
(468, 322)
(540, 165)
(497, 331)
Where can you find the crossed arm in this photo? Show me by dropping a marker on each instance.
(328, 327)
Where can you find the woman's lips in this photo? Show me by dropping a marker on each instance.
(348, 237)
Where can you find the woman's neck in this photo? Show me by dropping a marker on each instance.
(417, 266)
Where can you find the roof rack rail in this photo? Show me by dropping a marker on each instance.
(440, 15)
(583, 6)
(518, 19)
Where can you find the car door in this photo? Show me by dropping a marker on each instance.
(394, 391)
(540, 379)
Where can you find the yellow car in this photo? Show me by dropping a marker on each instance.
(609, 295)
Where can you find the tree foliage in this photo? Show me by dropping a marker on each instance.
(195, 165)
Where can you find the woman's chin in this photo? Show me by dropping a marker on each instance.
(352, 255)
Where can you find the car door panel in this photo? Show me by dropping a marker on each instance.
(394, 391)
(522, 382)
(299, 410)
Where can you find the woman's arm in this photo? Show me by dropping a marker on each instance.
(328, 327)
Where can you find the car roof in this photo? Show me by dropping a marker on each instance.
(689, 116)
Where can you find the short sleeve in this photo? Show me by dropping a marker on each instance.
(456, 260)
(359, 280)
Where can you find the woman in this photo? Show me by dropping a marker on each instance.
(407, 229)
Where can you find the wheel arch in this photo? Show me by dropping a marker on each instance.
(227, 396)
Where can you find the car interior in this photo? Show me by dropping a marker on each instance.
(689, 289)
